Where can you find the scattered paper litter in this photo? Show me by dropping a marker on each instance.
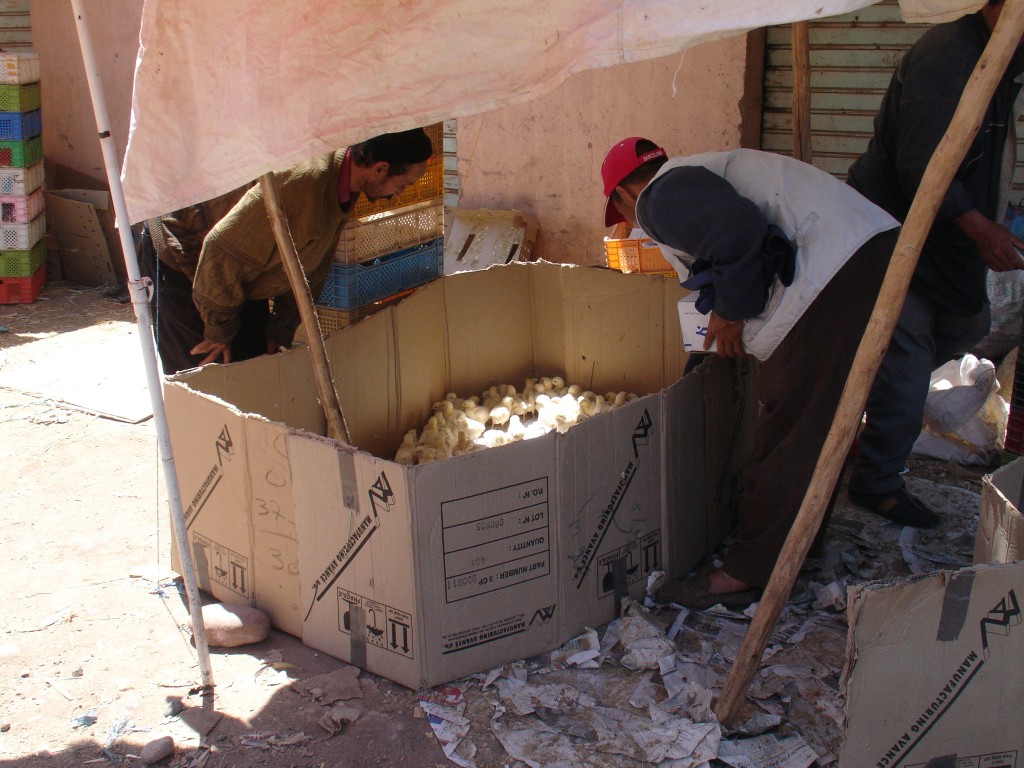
(582, 651)
(767, 752)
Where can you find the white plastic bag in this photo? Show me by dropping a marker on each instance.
(1006, 303)
(964, 416)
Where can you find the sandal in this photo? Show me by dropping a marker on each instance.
(692, 593)
(899, 507)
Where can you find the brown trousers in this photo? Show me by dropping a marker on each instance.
(798, 389)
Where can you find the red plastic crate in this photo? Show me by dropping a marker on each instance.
(22, 290)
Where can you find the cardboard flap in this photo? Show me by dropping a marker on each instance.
(85, 254)
(934, 670)
(477, 239)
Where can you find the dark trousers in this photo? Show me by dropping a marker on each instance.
(798, 389)
(926, 336)
(179, 327)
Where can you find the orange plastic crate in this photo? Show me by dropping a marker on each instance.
(637, 255)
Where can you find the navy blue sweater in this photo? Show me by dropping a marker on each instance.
(915, 113)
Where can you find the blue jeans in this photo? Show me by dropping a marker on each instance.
(926, 336)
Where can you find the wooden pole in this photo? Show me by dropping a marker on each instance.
(937, 177)
(336, 424)
(801, 54)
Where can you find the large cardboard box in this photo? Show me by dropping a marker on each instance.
(424, 574)
(934, 674)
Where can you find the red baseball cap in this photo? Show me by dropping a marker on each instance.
(622, 160)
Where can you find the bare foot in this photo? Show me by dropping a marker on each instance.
(719, 581)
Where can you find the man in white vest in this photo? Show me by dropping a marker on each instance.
(788, 261)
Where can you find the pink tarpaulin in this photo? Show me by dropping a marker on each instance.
(227, 90)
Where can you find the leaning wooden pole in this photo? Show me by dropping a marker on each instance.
(937, 177)
(336, 425)
(800, 51)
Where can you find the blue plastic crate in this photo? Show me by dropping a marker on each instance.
(349, 286)
(20, 125)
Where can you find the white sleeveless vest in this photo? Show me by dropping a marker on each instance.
(826, 219)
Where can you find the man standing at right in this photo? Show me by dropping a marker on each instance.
(946, 309)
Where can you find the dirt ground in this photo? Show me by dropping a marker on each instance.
(95, 655)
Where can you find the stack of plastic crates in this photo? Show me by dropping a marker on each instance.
(22, 220)
(390, 248)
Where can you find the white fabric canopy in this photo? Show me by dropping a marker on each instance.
(226, 90)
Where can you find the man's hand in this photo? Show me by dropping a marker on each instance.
(213, 350)
(728, 334)
(997, 246)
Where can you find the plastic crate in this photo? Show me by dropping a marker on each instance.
(428, 187)
(16, 97)
(22, 290)
(365, 240)
(19, 67)
(21, 154)
(22, 263)
(637, 255)
(21, 181)
(21, 125)
(332, 320)
(17, 236)
(350, 286)
(21, 207)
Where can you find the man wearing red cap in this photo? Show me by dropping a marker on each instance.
(788, 261)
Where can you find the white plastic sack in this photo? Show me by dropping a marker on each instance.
(1006, 300)
(964, 416)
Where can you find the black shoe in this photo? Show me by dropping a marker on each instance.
(899, 507)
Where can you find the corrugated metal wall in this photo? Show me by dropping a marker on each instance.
(852, 59)
(15, 27)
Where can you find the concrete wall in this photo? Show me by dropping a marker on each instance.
(544, 157)
(71, 147)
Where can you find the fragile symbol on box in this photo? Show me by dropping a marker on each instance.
(639, 558)
(220, 564)
(386, 627)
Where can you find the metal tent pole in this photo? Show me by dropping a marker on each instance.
(137, 291)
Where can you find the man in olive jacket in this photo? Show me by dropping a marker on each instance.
(239, 302)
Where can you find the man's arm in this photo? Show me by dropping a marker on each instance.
(231, 257)
(997, 246)
(696, 211)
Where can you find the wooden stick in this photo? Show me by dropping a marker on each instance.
(937, 177)
(336, 424)
(801, 54)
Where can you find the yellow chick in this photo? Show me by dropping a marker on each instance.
(406, 453)
(516, 429)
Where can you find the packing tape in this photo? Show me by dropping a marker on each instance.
(357, 626)
(956, 601)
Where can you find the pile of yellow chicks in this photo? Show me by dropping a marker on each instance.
(501, 414)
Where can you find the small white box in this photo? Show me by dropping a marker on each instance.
(693, 324)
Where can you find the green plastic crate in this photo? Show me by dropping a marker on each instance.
(22, 263)
(19, 97)
(21, 154)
